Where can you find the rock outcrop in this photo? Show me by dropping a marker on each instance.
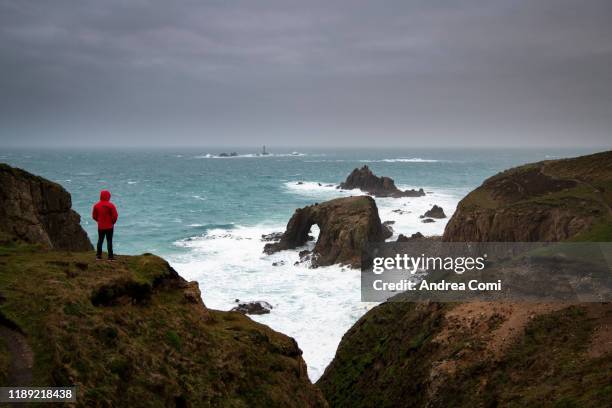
(434, 212)
(257, 307)
(546, 201)
(366, 181)
(404, 238)
(38, 211)
(346, 225)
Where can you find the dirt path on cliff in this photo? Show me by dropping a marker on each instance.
(475, 318)
(22, 357)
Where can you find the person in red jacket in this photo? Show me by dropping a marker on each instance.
(105, 213)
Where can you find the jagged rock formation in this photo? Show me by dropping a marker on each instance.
(366, 181)
(546, 201)
(434, 212)
(38, 211)
(345, 225)
(492, 353)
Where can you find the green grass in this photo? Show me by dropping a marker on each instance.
(126, 333)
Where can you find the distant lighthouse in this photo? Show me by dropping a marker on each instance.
(263, 152)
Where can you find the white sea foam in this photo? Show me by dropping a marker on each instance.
(401, 160)
(249, 155)
(315, 306)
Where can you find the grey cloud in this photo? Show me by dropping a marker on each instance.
(296, 73)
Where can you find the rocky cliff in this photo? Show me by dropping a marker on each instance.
(127, 333)
(345, 225)
(546, 201)
(134, 331)
(488, 354)
(38, 211)
(366, 181)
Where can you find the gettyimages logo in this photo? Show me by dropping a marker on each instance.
(487, 271)
(424, 263)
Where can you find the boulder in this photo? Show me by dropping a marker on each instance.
(271, 237)
(346, 225)
(257, 307)
(38, 211)
(366, 181)
(428, 220)
(434, 212)
(388, 229)
(403, 238)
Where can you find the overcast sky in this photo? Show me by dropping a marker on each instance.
(306, 73)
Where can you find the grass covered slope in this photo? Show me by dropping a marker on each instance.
(546, 201)
(474, 355)
(134, 333)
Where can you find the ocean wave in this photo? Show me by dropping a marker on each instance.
(206, 230)
(317, 190)
(400, 160)
(249, 155)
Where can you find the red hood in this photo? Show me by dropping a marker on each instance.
(105, 195)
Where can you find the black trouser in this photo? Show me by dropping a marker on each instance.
(108, 233)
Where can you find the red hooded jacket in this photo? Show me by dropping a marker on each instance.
(104, 212)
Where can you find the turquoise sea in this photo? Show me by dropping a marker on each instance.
(206, 214)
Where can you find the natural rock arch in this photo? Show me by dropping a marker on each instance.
(346, 225)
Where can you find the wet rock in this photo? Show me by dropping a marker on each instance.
(345, 224)
(403, 238)
(272, 237)
(389, 229)
(366, 181)
(434, 212)
(257, 307)
(428, 220)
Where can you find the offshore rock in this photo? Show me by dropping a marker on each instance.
(346, 225)
(366, 181)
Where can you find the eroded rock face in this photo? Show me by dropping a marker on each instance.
(368, 182)
(38, 211)
(546, 201)
(345, 224)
